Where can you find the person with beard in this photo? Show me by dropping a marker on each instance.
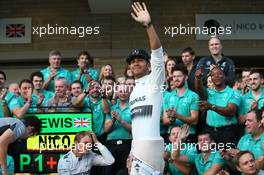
(54, 71)
(99, 105)
(85, 72)
(217, 58)
(254, 99)
(181, 106)
(221, 104)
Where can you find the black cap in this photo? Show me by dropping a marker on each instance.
(140, 53)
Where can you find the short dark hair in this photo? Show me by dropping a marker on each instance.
(25, 81)
(247, 69)
(181, 68)
(258, 114)
(240, 154)
(256, 71)
(3, 73)
(33, 121)
(77, 81)
(91, 61)
(189, 50)
(205, 133)
(36, 74)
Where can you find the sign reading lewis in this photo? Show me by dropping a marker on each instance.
(40, 154)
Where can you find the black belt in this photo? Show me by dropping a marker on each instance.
(119, 141)
(221, 128)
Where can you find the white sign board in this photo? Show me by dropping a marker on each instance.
(15, 30)
(242, 26)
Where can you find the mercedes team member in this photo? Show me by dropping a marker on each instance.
(12, 129)
(80, 159)
(145, 100)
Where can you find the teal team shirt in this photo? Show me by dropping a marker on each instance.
(8, 98)
(247, 142)
(248, 99)
(183, 105)
(119, 131)
(98, 115)
(92, 72)
(47, 96)
(222, 99)
(19, 102)
(10, 165)
(61, 72)
(214, 158)
(164, 129)
(188, 150)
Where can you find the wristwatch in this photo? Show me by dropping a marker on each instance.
(213, 107)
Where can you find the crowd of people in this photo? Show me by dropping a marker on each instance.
(211, 119)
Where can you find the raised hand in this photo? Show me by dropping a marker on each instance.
(40, 100)
(52, 74)
(115, 115)
(29, 94)
(140, 13)
(95, 140)
(3, 93)
(184, 132)
(199, 73)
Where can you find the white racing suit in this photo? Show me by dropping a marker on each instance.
(145, 105)
(69, 164)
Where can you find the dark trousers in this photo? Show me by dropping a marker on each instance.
(120, 150)
(226, 134)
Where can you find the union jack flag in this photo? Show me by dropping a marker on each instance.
(15, 30)
(81, 122)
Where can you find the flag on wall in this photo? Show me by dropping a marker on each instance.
(15, 30)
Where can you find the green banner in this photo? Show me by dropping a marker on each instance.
(64, 122)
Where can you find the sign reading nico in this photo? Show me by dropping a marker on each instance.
(56, 138)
